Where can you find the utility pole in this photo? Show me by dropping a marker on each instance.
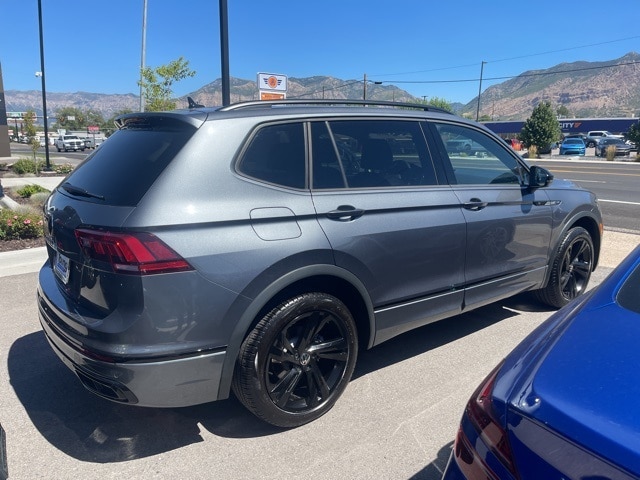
(480, 90)
(364, 93)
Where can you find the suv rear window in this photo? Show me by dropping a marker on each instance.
(127, 164)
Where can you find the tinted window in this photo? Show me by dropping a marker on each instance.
(371, 153)
(477, 159)
(327, 169)
(628, 294)
(125, 166)
(276, 154)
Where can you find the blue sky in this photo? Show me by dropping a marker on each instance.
(429, 48)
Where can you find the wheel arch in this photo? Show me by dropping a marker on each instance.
(316, 278)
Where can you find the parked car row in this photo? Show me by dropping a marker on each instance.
(576, 144)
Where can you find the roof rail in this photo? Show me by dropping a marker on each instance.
(365, 103)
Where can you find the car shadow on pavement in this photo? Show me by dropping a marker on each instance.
(92, 429)
(434, 335)
(435, 469)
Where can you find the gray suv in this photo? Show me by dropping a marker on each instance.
(255, 248)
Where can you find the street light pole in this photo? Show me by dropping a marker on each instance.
(144, 51)
(480, 90)
(44, 94)
(224, 53)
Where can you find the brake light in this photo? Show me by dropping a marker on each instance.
(131, 253)
(481, 414)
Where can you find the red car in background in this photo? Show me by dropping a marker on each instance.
(514, 143)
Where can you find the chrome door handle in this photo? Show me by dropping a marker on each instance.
(345, 213)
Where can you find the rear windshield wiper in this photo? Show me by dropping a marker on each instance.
(80, 192)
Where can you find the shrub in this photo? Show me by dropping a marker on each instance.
(611, 153)
(63, 168)
(26, 165)
(28, 190)
(533, 151)
(38, 199)
(15, 225)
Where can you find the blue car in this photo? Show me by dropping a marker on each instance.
(572, 146)
(563, 403)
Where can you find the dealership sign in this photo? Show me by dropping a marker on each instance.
(272, 86)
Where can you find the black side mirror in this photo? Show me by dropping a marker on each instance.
(539, 177)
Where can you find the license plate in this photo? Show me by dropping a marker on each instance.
(61, 267)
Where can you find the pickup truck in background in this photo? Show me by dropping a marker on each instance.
(70, 142)
(92, 142)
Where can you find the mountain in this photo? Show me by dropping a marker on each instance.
(586, 89)
(303, 88)
(106, 104)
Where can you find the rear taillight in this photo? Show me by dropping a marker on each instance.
(131, 253)
(481, 415)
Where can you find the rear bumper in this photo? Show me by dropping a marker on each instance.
(188, 380)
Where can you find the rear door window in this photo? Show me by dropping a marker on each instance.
(370, 153)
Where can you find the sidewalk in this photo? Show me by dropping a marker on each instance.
(46, 181)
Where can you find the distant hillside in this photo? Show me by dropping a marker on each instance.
(303, 88)
(106, 104)
(586, 89)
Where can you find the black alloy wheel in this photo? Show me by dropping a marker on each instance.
(571, 269)
(297, 361)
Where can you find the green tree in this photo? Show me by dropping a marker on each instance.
(71, 118)
(634, 133)
(94, 118)
(563, 112)
(29, 129)
(437, 102)
(541, 128)
(156, 84)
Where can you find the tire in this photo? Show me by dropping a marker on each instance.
(297, 361)
(58, 148)
(571, 269)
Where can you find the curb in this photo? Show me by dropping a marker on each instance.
(9, 203)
